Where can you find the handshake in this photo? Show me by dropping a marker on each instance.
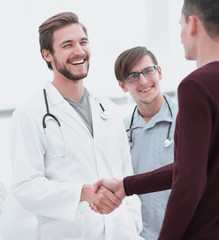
(104, 196)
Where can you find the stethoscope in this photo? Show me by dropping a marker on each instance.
(103, 113)
(167, 141)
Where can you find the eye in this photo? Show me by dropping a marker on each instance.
(133, 76)
(67, 45)
(84, 42)
(148, 70)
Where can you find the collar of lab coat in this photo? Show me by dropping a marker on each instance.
(54, 94)
(55, 98)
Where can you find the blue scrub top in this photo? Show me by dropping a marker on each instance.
(148, 153)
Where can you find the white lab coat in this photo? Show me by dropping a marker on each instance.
(3, 194)
(50, 169)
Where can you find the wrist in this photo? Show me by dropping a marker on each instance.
(121, 191)
(86, 191)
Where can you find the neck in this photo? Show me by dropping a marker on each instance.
(148, 110)
(73, 90)
(208, 50)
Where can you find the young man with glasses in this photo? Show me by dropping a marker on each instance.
(149, 128)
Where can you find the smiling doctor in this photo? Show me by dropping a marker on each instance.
(63, 139)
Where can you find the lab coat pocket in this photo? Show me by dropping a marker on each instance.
(54, 138)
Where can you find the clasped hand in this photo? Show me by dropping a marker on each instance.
(105, 195)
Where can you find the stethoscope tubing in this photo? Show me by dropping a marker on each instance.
(48, 114)
(103, 113)
(130, 129)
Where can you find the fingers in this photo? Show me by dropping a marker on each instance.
(112, 200)
(105, 201)
(96, 185)
(94, 208)
(111, 184)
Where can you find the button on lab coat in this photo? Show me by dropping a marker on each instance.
(50, 168)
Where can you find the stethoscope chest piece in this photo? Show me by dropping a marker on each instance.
(167, 142)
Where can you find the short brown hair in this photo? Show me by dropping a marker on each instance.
(127, 59)
(47, 28)
(207, 11)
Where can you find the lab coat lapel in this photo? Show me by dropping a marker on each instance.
(97, 120)
(57, 99)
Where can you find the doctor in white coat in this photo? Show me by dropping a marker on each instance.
(63, 139)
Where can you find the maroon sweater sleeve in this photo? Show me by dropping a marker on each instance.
(157, 180)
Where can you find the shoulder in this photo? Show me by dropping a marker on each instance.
(31, 106)
(206, 76)
(127, 121)
(172, 103)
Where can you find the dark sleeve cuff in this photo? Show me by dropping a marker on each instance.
(157, 180)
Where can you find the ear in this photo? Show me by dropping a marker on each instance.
(159, 72)
(122, 85)
(47, 55)
(193, 25)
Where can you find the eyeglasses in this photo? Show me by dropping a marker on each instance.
(135, 76)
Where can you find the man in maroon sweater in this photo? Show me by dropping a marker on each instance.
(192, 211)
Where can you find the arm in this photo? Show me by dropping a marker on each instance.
(31, 188)
(156, 180)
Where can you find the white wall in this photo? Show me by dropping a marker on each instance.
(113, 26)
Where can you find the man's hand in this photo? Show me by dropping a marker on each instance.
(114, 185)
(103, 199)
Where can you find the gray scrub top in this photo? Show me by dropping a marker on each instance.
(148, 153)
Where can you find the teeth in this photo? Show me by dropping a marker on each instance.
(146, 90)
(77, 62)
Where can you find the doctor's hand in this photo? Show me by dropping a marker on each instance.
(114, 185)
(104, 200)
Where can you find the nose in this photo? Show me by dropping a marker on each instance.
(142, 79)
(78, 50)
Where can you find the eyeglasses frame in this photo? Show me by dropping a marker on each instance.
(142, 72)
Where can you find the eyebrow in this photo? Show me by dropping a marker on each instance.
(70, 41)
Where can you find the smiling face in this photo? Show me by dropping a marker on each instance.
(71, 53)
(147, 89)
